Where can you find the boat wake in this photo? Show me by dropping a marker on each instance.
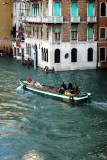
(22, 91)
(100, 105)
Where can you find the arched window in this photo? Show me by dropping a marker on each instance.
(33, 13)
(103, 9)
(41, 9)
(74, 33)
(57, 56)
(90, 9)
(37, 32)
(41, 32)
(33, 31)
(90, 54)
(74, 55)
(20, 9)
(74, 9)
(90, 33)
(57, 34)
(47, 9)
(57, 9)
(25, 11)
(29, 9)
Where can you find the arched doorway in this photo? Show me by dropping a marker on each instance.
(57, 56)
(36, 53)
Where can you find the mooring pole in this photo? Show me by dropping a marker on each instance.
(34, 60)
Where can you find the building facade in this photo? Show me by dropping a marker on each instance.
(102, 34)
(6, 16)
(60, 34)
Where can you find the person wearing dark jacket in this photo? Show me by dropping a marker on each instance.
(63, 85)
(69, 86)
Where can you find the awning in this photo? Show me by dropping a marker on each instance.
(20, 31)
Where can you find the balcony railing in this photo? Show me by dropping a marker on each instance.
(52, 19)
(75, 19)
(91, 19)
(32, 19)
(47, 19)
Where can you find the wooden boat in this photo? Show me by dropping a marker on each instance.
(53, 92)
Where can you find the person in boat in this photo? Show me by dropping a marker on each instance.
(62, 87)
(76, 88)
(29, 80)
(69, 86)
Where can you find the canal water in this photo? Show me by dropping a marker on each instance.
(34, 127)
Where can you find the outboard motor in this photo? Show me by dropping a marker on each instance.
(24, 87)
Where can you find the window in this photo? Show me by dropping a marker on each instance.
(28, 49)
(20, 9)
(35, 9)
(74, 34)
(15, 10)
(74, 55)
(47, 33)
(102, 56)
(74, 9)
(103, 33)
(29, 9)
(47, 55)
(47, 9)
(37, 32)
(25, 11)
(29, 30)
(57, 34)
(33, 31)
(56, 9)
(90, 9)
(41, 32)
(90, 33)
(33, 13)
(57, 56)
(41, 9)
(90, 54)
(103, 9)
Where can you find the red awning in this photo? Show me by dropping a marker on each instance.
(20, 31)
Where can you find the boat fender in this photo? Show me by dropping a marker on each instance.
(71, 99)
(24, 86)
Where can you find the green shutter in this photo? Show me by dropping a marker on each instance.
(74, 9)
(57, 30)
(57, 9)
(90, 33)
(90, 9)
(47, 9)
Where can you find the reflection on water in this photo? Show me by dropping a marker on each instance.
(34, 127)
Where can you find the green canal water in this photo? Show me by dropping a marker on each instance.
(34, 127)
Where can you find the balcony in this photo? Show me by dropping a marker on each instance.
(39, 19)
(91, 19)
(75, 19)
(52, 19)
(36, 19)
